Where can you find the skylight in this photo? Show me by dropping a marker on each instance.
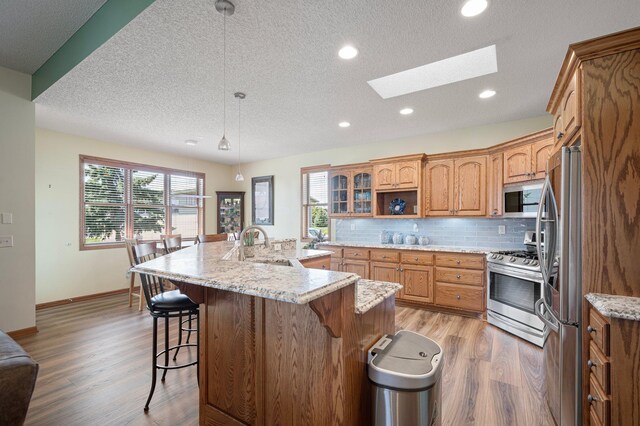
(451, 70)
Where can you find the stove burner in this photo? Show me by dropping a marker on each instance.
(516, 258)
(520, 254)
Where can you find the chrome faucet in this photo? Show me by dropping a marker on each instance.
(241, 255)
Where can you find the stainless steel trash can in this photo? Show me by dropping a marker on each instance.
(405, 370)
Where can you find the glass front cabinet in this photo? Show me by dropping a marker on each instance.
(350, 192)
(230, 212)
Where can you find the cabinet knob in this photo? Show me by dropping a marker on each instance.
(416, 259)
(401, 269)
(590, 364)
(458, 296)
(384, 257)
(591, 398)
(560, 135)
(356, 254)
(398, 268)
(458, 276)
(451, 211)
(457, 262)
(590, 329)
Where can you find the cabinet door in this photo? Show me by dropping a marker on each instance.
(569, 108)
(339, 189)
(360, 267)
(558, 128)
(417, 282)
(495, 185)
(336, 264)
(361, 193)
(382, 271)
(384, 176)
(439, 188)
(517, 164)
(407, 174)
(540, 153)
(471, 186)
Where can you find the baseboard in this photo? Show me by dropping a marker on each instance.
(23, 332)
(136, 292)
(441, 309)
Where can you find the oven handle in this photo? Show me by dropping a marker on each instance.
(543, 317)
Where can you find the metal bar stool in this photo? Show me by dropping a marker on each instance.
(165, 304)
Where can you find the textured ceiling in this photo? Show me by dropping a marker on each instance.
(158, 81)
(32, 30)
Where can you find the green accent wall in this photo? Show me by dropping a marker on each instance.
(108, 20)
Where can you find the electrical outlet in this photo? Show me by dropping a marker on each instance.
(6, 240)
(502, 229)
(415, 227)
(353, 226)
(7, 218)
(277, 247)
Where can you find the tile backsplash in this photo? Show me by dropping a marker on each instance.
(458, 232)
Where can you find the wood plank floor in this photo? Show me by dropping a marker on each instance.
(94, 361)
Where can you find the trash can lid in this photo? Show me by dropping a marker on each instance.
(405, 361)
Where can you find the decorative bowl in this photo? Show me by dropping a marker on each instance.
(397, 206)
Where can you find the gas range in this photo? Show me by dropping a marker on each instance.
(522, 259)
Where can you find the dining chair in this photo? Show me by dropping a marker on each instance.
(165, 304)
(211, 238)
(130, 243)
(171, 243)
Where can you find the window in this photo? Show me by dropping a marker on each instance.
(124, 200)
(315, 207)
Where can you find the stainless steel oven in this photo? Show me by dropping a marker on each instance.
(512, 293)
(521, 200)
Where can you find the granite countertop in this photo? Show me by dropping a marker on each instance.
(274, 275)
(451, 249)
(371, 293)
(611, 306)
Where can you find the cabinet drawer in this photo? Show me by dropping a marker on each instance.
(416, 258)
(459, 296)
(336, 252)
(599, 401)
(317, 263)
(459, 276)
(598, 328)
(455, 260)
(355, 253)
(599, 366)
(385, 256)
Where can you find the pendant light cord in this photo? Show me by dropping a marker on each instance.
(224, 70)
(239, 101)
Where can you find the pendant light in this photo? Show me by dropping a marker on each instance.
(226, 8)
(240, 96)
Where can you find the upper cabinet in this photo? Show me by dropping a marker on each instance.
(350, 191)
(397, 173)
(494, 184)
(527, 162)
(456, 187)
(566, 118)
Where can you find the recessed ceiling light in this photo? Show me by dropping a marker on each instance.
(191, 142)
(406, 111)
(348, 52)
(344, 124)
(446, 71)
(473, 8)
(487, 94)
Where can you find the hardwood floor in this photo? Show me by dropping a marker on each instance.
(94, 361)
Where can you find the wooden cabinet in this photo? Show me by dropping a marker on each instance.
(359, 267)
(597, 399)
(397, 175)
(456, 187)
(460, 281)
(418, 283)
(384, 271)
(323, 262)
(494, 185)
(527, 162)
(439, 191)
(567, 118)
(350, 192)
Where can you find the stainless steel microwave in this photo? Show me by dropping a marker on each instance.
(521, 200)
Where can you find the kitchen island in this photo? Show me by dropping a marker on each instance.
(280, 344)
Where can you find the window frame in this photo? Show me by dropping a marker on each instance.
(129, 205)
(304, 206)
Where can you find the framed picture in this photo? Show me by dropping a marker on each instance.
(262, 200)
(230, 212)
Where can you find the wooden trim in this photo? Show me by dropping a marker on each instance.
(312, 169)
(23, 332)
(409, 157)
(128, 200)
(84, 298)
(598, 47)
(303, 206)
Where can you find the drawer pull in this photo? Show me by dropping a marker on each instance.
(458, 296)
(384, 257)
(591, 364)
(416, 259)
(590, 329)
(356, 254)
(591, 398)
(458, 276)
(457, 262)
(324, 267)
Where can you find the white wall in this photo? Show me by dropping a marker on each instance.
(62, 270)
(17, 196)
(286, 170)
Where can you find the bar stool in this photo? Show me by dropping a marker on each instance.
(211, 238)
(164, 304)
(171, 242)
(130, 243)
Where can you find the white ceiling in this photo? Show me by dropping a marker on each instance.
(158, 81)
(32, 30)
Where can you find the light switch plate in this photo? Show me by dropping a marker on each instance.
(353, 226)
(6, 218)
(502, 230)
(277, 247)
(6, 240)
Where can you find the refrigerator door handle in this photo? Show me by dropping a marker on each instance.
(543, 317)
(539, 221)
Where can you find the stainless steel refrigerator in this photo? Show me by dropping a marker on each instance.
(558, 227)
